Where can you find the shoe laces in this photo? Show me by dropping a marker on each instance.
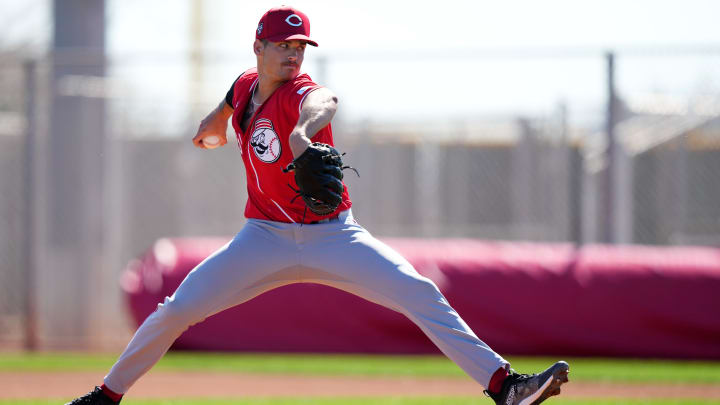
(93, 397)
(512, 378)
(87, 398)
(519, 377)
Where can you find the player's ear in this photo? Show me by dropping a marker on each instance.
(258, 47)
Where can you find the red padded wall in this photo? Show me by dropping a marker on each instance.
(520, 298)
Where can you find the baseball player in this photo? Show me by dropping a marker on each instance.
(300, 228)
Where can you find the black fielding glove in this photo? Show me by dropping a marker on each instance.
(318, 174)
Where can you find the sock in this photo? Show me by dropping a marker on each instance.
(497, 379)
(111, 394)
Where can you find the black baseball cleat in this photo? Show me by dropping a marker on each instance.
(524, 389)
(94, 397)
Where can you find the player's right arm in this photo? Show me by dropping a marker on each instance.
(214, 124)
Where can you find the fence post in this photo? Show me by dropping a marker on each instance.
(427, 186)
(28, 259)
(608, 182)
(522, 192)
(623, 194)
(680, 192)
(72, 232)
(563, 195)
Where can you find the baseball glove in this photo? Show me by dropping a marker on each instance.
(318, 174)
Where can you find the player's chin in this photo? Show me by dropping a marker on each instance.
(290, 71)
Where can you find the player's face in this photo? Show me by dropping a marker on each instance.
(281, 60)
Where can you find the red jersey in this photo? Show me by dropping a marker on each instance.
(265, 149)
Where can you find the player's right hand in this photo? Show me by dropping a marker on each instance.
(214, 125)
(211, 127)
(199, 140)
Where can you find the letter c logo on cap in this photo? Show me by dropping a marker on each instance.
(294, 20)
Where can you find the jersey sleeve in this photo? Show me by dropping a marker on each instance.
(231, 93)
(299, 90)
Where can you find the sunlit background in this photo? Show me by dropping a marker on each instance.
(553, 121)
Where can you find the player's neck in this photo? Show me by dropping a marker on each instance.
(266, 87)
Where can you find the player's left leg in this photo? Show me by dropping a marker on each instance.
(344, 255)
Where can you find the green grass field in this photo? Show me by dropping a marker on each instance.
(582, 369)
(587, 369)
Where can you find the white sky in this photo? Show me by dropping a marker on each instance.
(149, 39)
(351, 33)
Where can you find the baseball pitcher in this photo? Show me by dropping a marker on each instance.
(299, 211)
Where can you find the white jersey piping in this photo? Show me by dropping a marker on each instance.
(282, 210)
(303, 98)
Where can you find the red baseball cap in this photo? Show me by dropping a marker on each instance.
(283, 24)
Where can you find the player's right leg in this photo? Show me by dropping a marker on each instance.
(261, 257)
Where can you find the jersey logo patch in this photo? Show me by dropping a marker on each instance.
(265, 141)
(303, 90)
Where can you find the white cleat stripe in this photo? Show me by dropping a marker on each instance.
(529, 400)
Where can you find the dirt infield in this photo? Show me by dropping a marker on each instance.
(233, 385)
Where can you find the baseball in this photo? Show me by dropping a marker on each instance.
(211, 142)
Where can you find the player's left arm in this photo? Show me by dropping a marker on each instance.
(317, 110)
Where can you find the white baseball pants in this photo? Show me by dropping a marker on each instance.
(339, 253)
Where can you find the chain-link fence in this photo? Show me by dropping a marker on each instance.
(13, 209)
(95, 167)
